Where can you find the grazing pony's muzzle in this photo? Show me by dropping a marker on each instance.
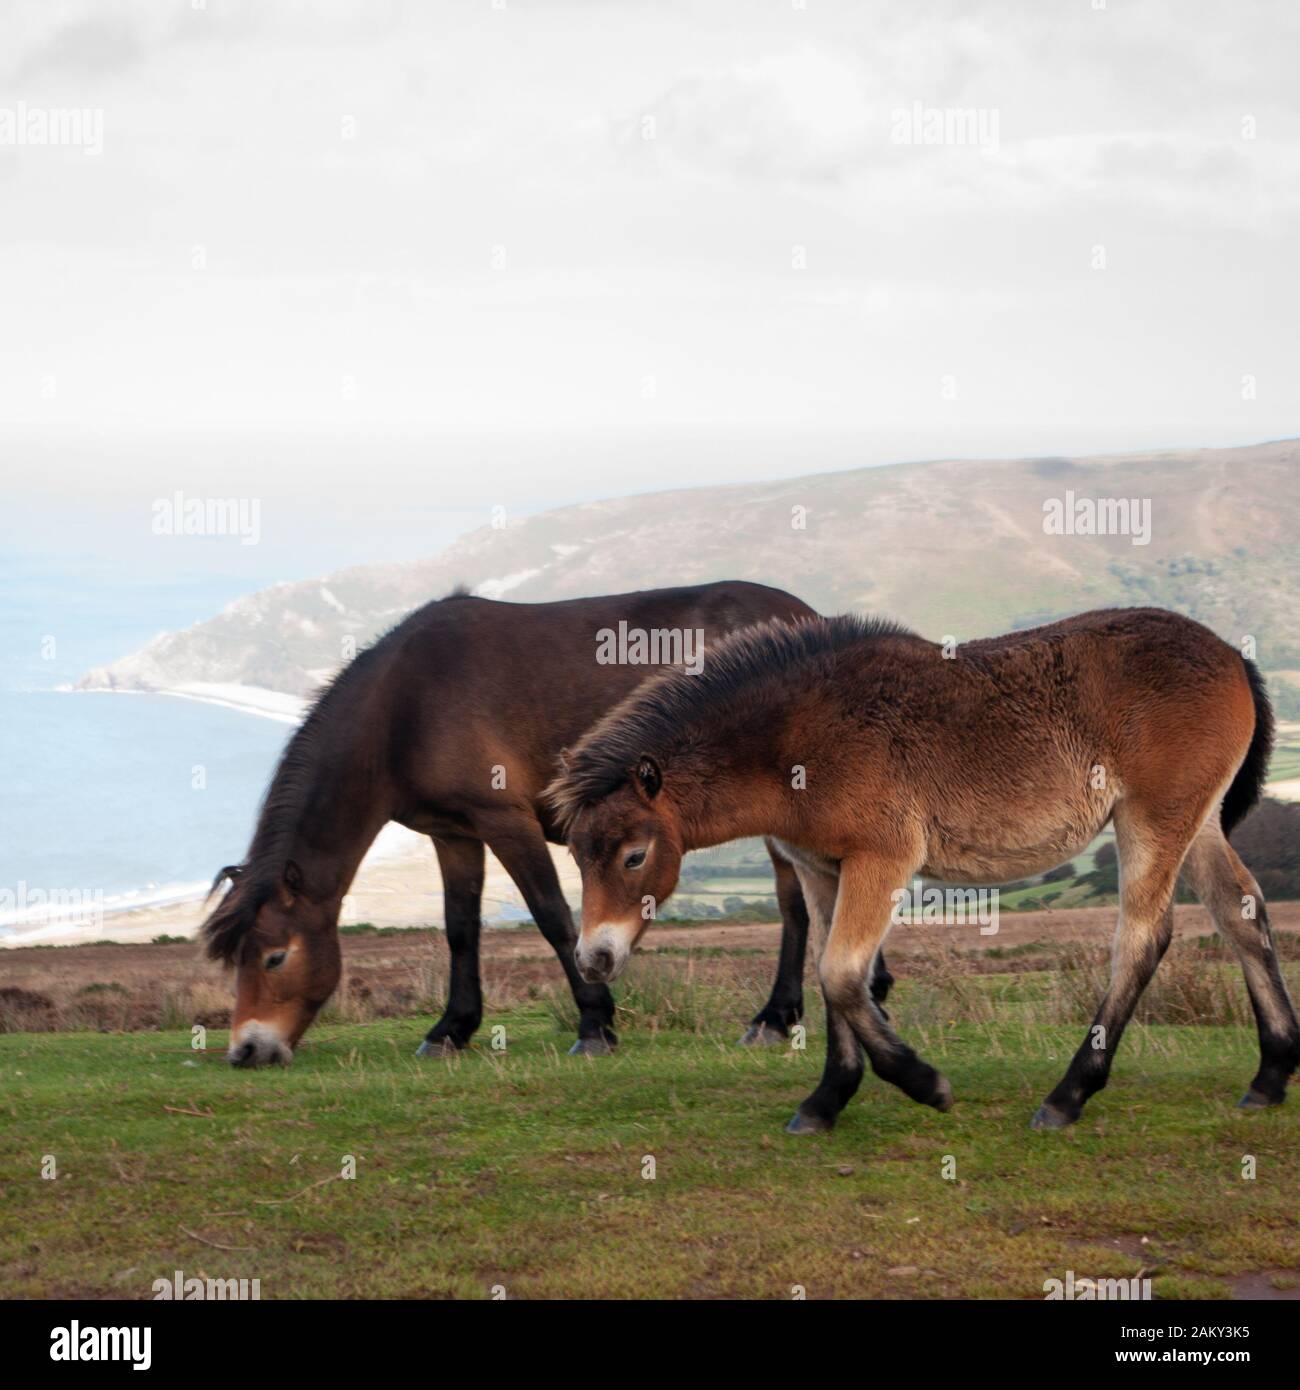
(601, 955)
(597, 967)
(253, 1044)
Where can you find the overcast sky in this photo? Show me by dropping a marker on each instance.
(523, 220)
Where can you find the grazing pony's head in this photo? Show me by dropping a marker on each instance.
(630, 790)
(628, 845)
(277, 924)
(284, 946)
(682, 762)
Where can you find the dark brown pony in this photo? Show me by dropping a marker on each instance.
(452, 725)
(873, 755)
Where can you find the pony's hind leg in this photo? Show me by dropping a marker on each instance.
(461, 862)
(842, 1074)
(862, 920)
(1150, 852)
(1232, 897)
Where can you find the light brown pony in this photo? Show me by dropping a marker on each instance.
(873, 755)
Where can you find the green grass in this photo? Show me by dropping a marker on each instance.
(523, 1168)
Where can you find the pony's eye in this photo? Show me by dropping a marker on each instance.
(635, 859)
(275, 960)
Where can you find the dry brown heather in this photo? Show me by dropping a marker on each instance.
(700, 978)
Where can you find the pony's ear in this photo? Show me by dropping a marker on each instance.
(292, 885)
(232, 873)
(230, 921)
(648, 777)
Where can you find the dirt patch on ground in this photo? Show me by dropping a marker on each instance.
(1268, 1286)
(405, 972)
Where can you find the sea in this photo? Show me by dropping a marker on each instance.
(121, 800)
(112, 799)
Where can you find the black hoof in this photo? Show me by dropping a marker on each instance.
(1048, 1117)
(803, 1123)
(591, 1047)
(437, 1047)
(763, 1035)
(1257, 1100)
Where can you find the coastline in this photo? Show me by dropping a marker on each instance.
(398, 885)
(176, 907)
(248, 699)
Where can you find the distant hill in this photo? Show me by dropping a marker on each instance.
(948, 547)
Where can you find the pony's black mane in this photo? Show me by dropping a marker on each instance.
(283, 807)
(661, 715)
(288, 799)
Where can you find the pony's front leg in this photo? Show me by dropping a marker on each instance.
(517, 842)
(842, 1074)
(841, 1077)
(863, 916)
(795, 891)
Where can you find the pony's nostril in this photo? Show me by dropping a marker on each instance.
(244, 1056)
(601, 961)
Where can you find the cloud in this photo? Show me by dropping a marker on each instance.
(94, 46)
(646, 207)
(824, 122)
(1247, 187)
(803, 116)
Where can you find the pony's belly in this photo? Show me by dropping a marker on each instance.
(1002, 863)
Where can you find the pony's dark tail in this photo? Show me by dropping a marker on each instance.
(1249, 781)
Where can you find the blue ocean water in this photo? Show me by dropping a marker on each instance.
(139, 795)
(120, 793)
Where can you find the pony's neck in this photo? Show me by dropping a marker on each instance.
(732, 794)
(331, 820)
(330, 854)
